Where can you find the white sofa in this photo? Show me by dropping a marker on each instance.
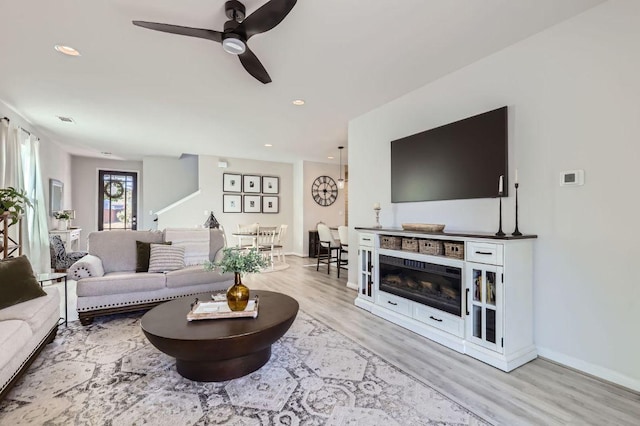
(107, 282)
(25, 328)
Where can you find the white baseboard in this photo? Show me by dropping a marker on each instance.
(296, 254)
(353, 286)
(592, 369)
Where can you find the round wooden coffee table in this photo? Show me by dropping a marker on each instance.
(219, 349)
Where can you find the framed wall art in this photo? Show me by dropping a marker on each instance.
(270, 185)
(231, 203)
(56, 195)
(251, 204)
(251, 184)
(270, 204)
(231, 182)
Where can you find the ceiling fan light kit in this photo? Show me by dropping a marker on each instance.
(237, 30)
(232, 44)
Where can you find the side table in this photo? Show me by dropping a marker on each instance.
(54, 276)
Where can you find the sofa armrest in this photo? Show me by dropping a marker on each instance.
(88, 266)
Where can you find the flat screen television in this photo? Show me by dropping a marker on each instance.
(460, 160)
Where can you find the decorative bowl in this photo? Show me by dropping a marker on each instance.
(425, 227)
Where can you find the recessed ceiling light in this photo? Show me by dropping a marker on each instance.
(298, 102)
(268, 145)
(70, 51)
(331, 157)
(65, 119)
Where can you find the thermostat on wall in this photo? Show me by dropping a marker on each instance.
(572, 178)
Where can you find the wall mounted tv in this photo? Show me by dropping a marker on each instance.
(456, 161)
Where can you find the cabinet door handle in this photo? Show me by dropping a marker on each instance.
(435, 319)
(488, 253)
(392, 303)
(466, 302)
(366, 239)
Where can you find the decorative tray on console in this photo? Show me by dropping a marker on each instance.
(426, 227)
(218, 309)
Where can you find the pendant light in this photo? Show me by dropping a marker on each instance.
(340, 180)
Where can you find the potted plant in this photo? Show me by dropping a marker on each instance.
(13, 203)
(64, 218)
(239, 262)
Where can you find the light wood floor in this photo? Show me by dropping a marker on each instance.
(540, 392)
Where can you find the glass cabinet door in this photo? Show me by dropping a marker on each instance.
(484, 305)
(366, 272)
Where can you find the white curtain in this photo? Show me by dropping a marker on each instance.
(37, 229)
(21, 170)
(13, 161)
(4, 134)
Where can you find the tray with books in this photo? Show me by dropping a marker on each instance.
(218, 309)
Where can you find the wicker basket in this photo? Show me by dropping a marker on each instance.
(433, 247)
(454, 249)
(409, 244)
(391, 243)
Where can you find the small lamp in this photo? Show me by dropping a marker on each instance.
(212, 222)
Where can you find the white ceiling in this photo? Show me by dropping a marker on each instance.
(137, 92)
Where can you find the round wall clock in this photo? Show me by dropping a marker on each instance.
(324, 191)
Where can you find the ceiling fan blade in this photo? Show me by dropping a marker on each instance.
(266, 17)
(186, 31)
(253, 66)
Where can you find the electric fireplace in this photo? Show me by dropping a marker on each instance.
(437, 286)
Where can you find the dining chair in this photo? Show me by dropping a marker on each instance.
(249, 233)
(266, 240)
(343, 233)
(279, 245)
(328, 247)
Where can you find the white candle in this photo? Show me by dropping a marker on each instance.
(500, 185)
(516, 180)
(376, 206)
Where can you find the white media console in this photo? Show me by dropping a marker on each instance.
(473, 295)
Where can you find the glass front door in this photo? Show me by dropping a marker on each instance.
(117, 200)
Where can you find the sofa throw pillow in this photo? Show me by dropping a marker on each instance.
(166, 258)
(143, 251)
(18, 282)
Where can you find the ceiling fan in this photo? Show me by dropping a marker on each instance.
(237, 31)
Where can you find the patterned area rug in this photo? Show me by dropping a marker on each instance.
(109, 374)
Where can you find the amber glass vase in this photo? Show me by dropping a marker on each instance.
(238, 295)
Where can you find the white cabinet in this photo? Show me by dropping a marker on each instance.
(480, 305)
(70, 238)
(484, 305)
(499, 317)
(366, 267)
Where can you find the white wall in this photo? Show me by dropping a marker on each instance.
(332, 215)
(84, 174)
(191, 213)
(572, 93)
(166, 180)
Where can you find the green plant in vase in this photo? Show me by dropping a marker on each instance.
(13, 203)
(239, 262)
(64, 218)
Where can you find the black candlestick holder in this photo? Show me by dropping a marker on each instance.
(516, 232)
(500, 233)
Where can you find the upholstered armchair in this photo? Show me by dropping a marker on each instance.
(60, 259)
